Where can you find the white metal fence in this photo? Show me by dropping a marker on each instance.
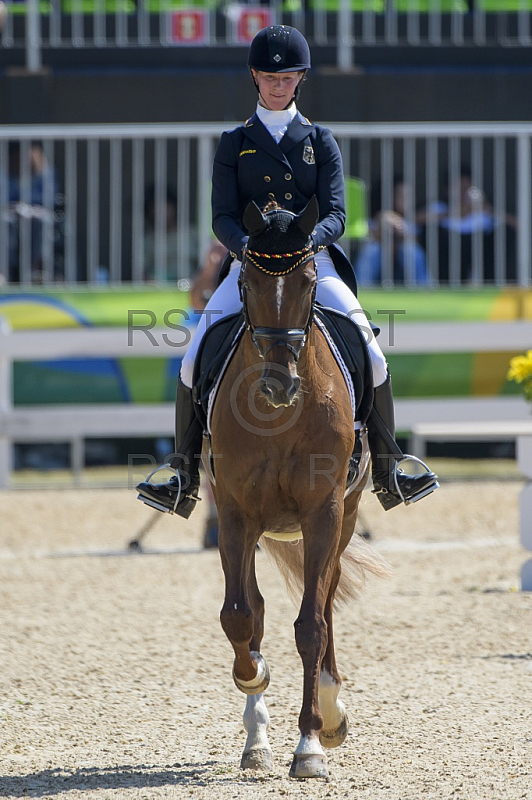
(427, 203)
(75, 423)
(343, 24)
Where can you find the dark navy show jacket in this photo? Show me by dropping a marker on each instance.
(250, 165)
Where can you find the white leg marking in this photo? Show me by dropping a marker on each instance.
(309, 746)
(262, 668)
(256, 723)
(279, 293)
(291, 536)
(332, 709)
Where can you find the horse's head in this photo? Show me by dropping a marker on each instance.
(278, 284)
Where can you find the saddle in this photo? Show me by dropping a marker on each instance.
(214, 354)
(349, 339)
(221, 339)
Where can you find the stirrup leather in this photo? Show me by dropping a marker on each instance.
(181, 495)
(418, 495)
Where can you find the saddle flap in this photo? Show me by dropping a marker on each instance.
(211, 357)
(349, 339)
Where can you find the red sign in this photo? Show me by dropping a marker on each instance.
(251, 20)
(189, 27)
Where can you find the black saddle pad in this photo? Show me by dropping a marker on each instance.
(212, 354)
(223, 334)
(350, 340)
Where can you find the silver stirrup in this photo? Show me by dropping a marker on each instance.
(153, 503)
(424, 492)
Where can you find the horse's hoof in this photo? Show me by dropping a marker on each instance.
(336, 737)
(262, 679)
(258, 758)
(309, 765)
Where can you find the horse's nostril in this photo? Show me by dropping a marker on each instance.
(265, 388)
(277, 394)
(293, 386)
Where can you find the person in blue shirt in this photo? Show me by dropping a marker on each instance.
(466, 216)
(278, 154)
(32, 195)
(392, 232)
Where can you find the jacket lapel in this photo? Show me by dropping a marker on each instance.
(298, 130)
(255, 130)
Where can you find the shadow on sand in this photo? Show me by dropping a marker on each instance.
(57, 780)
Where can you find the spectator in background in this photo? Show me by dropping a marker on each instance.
(465, 212)
(33, 199)
(161, 247)
(205, 280)
(392, 225)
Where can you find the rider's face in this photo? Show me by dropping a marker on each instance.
(276, 88)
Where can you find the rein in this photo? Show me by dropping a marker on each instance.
(292, 338)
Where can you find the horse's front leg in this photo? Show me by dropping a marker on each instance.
(335, 720)
(257, 751)
(242, 619)
(321, 535)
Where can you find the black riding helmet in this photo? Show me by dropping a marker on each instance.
(279, 48)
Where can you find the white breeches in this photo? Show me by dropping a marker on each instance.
(331, 291)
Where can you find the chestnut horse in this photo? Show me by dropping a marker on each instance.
(283, 432)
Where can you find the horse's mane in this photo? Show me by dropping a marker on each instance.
(281, 235)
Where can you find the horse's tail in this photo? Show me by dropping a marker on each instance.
(356, 561)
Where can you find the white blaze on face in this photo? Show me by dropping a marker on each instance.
(279, 296)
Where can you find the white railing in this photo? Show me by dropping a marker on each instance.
(343, 24)
(108, 209)
(75, 423)
(103, 210)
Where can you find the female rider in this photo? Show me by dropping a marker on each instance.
(278, 154)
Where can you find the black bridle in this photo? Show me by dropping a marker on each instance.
(292, 338)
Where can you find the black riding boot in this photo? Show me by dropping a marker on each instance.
(391, 485)
(180, 494)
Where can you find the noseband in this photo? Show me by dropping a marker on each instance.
(292, 338)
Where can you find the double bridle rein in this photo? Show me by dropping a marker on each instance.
(292, 338)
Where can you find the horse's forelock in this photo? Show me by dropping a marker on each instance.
(280, 236)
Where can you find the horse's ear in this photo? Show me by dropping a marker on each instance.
(307, 219)
(254, 219)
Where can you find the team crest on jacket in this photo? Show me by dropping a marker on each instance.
(308, 154)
